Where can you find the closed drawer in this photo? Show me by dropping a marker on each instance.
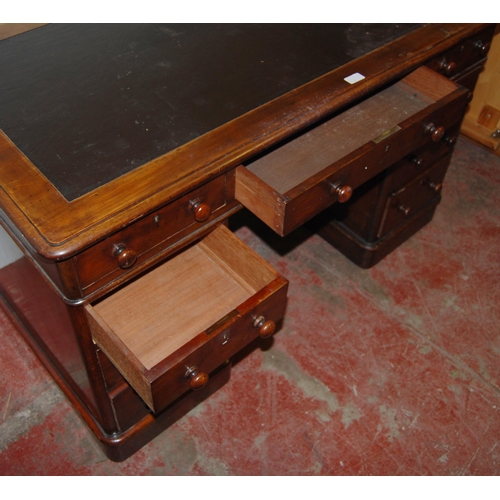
(167, 331)
(421, 159)
(469, 53)
(404, 203)
(296, 181)
(129, 408)
(136, 243)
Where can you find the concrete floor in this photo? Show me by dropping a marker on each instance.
(388, 371)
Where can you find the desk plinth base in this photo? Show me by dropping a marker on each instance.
(121, 445)
(366, 254)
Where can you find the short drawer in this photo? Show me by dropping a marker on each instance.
(168, 330)
(296, 181)
(129, 408)
(421, 159)
(129, 247)
(409, 200)
(462, 57)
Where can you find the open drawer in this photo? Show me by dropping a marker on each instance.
(167, 331)
(294, 182)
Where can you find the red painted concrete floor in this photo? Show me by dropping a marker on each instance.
(388, 371)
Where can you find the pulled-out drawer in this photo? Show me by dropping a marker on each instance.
(289, 185)
(168, 330)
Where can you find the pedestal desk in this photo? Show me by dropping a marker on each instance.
(125, 148)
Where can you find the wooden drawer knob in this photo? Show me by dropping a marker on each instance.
(435, 186)
(404, 209)
(483, 48)
(125, 256)
(201, 211)
(266, 328)
(447, 67)
(436, 133)
(418, 161)
(450, 140)
(197, 379)
(343, 193)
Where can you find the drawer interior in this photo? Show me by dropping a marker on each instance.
(294, 182)
(145, 327)
(289, 166)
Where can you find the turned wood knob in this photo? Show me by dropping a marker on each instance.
(482, 47)
(435, 186)
(404, 209)
(436, 133)
(450, 140)
(124, 256)
(448, 67)
(197, 379)
(201, 211)
(266, 328)
(343, 192)
(417, 161)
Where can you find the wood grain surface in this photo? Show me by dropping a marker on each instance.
(57, 228)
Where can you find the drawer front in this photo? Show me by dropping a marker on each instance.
(166, 332)
(227, 340)
(327, 175)
(408, 201)
(138, 242)
(129, 408)
(463, 56)
(421, 159)
(364, 212)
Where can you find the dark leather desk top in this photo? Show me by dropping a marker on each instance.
(89, 103)
(102, 124)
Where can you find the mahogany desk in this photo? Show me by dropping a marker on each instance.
(125, 148)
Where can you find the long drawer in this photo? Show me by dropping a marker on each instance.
(289, 185)
(168, 330)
